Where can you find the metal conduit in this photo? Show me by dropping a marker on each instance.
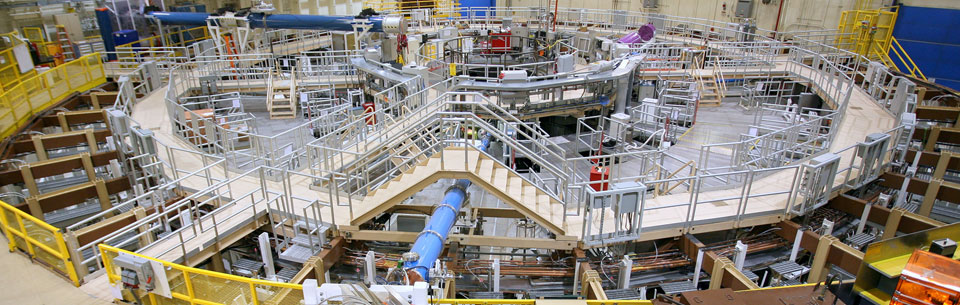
(277, 21)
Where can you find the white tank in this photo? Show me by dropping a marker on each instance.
(394, 25)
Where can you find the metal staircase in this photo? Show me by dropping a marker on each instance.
(66, 47)
(282, 102)
(468, 163)
(430, 145)
(711, 86)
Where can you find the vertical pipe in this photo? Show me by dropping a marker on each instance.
(556, 10)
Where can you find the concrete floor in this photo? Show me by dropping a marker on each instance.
(24, 282)
(720, 124)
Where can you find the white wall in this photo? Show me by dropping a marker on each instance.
(796, 15)
(309, 7)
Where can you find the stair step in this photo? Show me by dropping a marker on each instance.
(548, 204)
(485, 171)
(500, 179)
(515, 187)
(412, 168)
(530, 199)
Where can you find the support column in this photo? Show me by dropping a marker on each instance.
(932, 139)
(28, 180)
(70, 239)
(893, 223)
(216, 262)
(62, 118)
(147, 238)
(942, 164)
(88, 166)
(495, 281)
(929, 197)
(266, 255)
(626, 268)
(102, 195)
(716, 275)
(38, 147)
(319, 272)
(453, 262)
(592, 286)
(91, 140)
(35, 208)
(818, 269)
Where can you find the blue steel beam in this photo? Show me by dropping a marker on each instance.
(430, 242)
(277, 21)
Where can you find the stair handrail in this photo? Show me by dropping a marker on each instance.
(693, 168)
(719, 78)
(507, 117)
(698, 77)
(908, 63)
(472, 118)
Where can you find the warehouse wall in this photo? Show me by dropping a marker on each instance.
(797, 14)
(313, 7)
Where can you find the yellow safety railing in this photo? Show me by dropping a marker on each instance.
(10, 36)
(443, 8)
(870, 34)
(34, 34)
(190, 35)
(35, 94)
(199, 286)
(905, 59)
(42, 241)
(45, 48)
(859, 30)
(10, 74)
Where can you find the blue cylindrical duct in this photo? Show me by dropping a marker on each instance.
(278, 21)
(430, 242)
(181, 18)
(310, 22)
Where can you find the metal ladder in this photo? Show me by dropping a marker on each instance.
(66, 47)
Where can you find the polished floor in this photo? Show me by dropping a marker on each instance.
(26, 283)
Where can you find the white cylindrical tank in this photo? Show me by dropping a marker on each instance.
(395, 25)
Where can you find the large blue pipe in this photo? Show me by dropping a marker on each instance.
(278, 21)
(430, 242)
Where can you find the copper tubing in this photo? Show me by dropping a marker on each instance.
(666, 259)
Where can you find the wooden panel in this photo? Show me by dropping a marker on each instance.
(101, 231)
(932, 158)
(937, 113)
(84, 117)
(71, 24)
(947, 193)
(947, 136)
(25, 146)
(854, 206)
(74, 195)
(788, 231)
(846, 258)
